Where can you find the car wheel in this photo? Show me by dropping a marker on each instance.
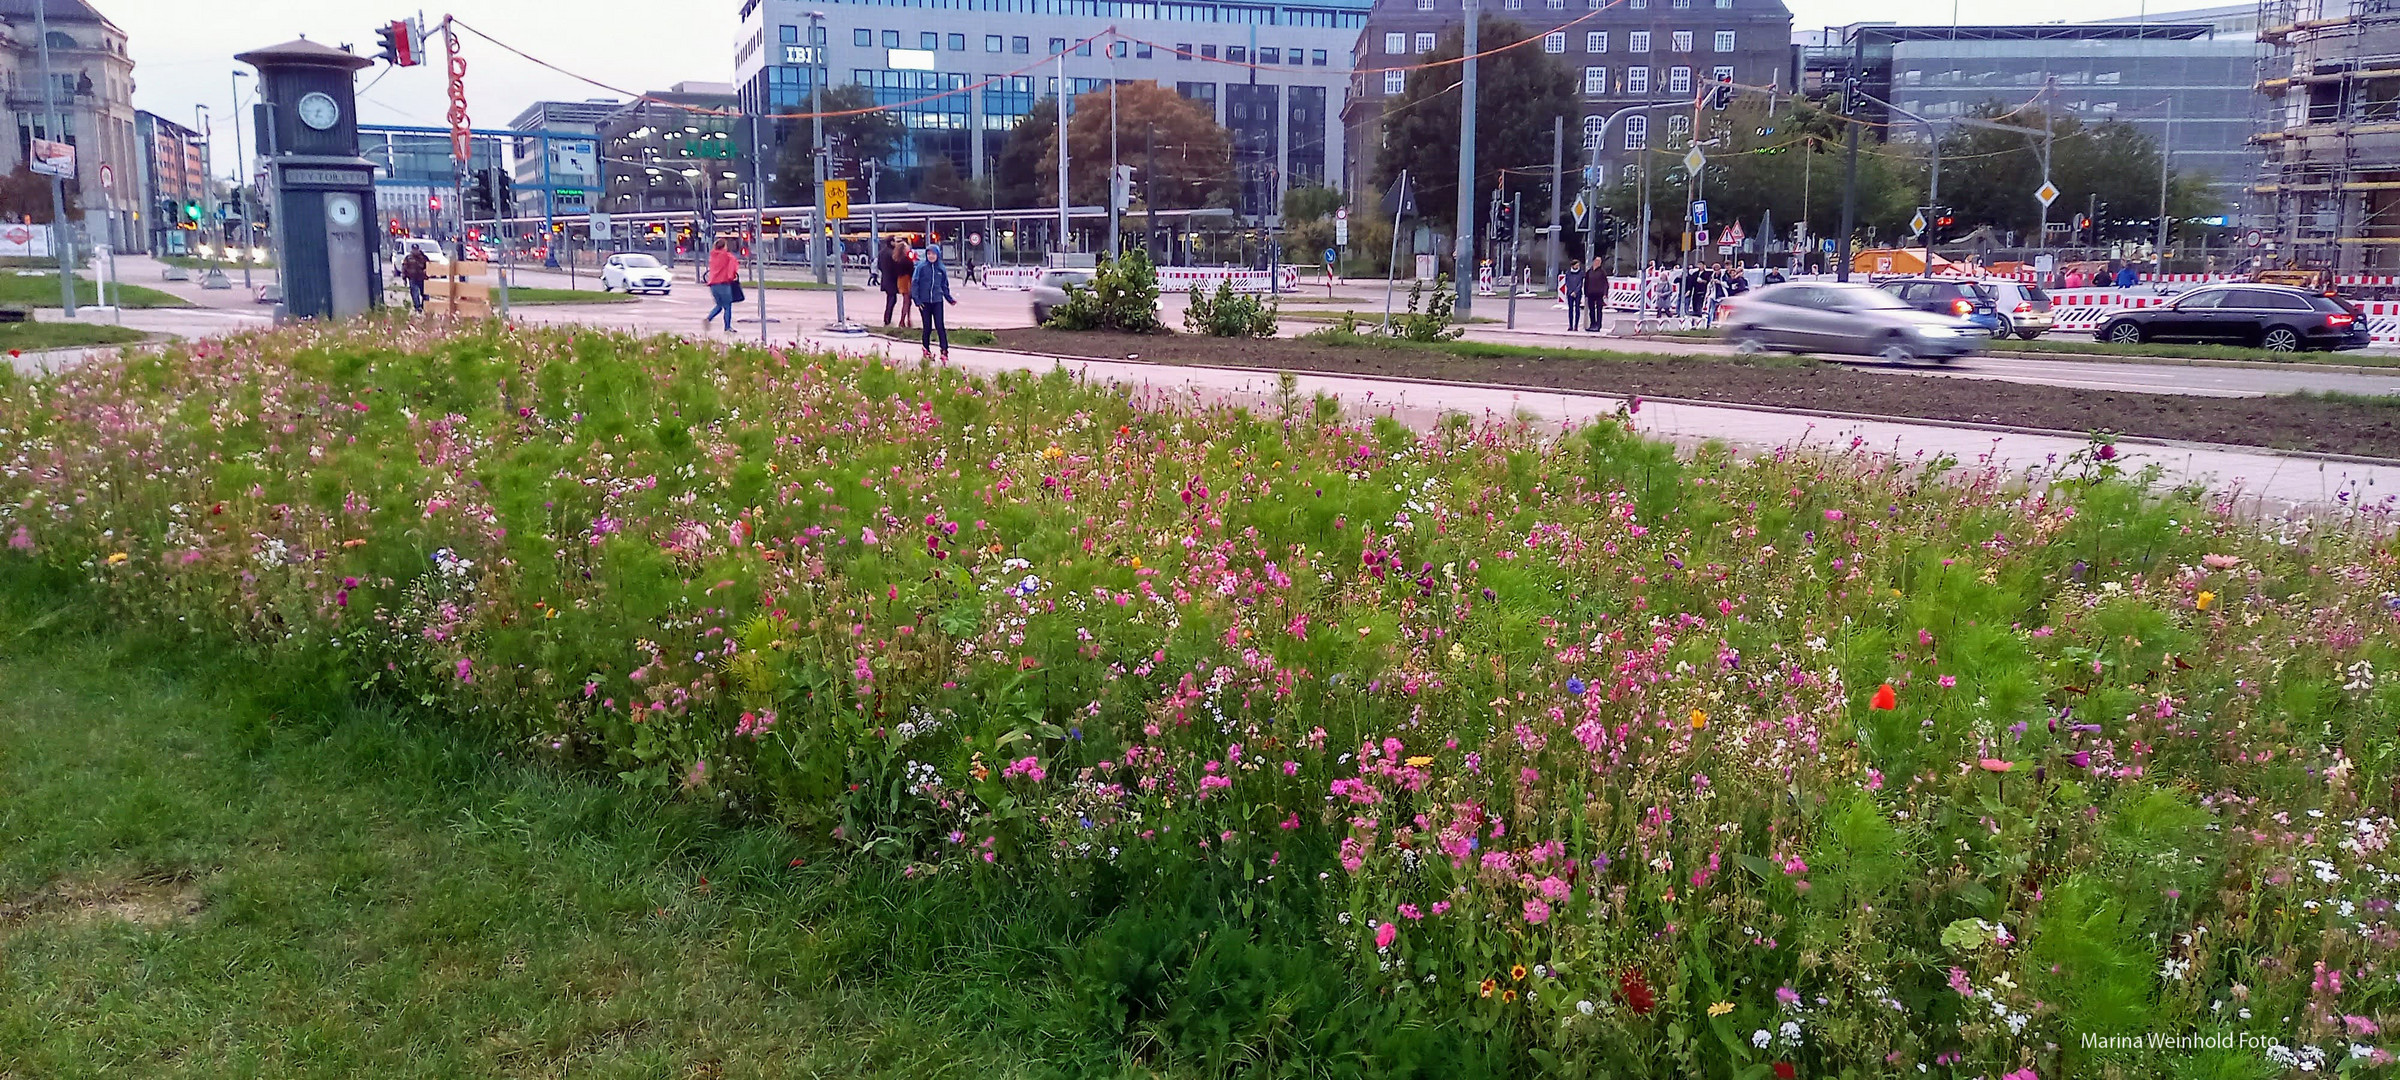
(1896, 350)
(2003, 328)
(2124, 333)
(1746, 341)
(2280, 339)
(1040, 314)
(2028, 335)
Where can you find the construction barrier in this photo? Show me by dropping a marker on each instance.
(452, 289)
(1170, 278)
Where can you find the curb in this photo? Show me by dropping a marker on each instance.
(2111, 358)
(1917, 421)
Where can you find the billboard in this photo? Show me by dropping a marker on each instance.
(53, 158)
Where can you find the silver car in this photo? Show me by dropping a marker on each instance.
(1842, 317)
(1051, 290)
(2023, 309)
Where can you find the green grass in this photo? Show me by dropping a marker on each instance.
(29, 336)
(41, 290)
(2081, 344)
(959, 335)
(523, 295)
(197, 884)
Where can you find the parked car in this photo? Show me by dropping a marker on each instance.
(635, 272)
(1826, 316)
(2022, 308)
(2279, 318)
(1959, 298)
(1050, 290)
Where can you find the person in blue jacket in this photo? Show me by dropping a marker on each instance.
(931, 289)
(2128, 277)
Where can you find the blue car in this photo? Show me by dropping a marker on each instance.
(1971, 301)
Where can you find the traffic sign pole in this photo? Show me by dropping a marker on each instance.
(836, 200)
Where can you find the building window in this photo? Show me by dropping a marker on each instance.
(1316, 58)
(1084, 49)
(1057, 45)
(1724, 73)
(1554, 42)
(1637, 41)
(1424, 43)
(1724, 41)
(1678, 127)
(958, 43)
(1116, 50)
(994, 43)
(929, 41)
(1208, 52)
(1238, 54)
(1424, 5)
(1637, 80)
(1395, 82)
(1724, 5)
(1595, 41)
(1183, 50)
(891, 39)
(1269, 55)
(1020, 45)
(1679, 80)
(863, 38)
(1593, 126)
(1681, 41)
(816, 35)
(1683, 5)
(1638, 5)
(789, 35)
(1637, 132)
(1142, 51)
(1595, 81)
(1395, 44)
(1515, 5)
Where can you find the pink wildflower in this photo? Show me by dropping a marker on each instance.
(1385, 935)
(1537, 911)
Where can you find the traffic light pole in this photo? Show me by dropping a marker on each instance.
(1516, 204)
(61, 238)
(249, 239)
(1463, 259)
(500, 229)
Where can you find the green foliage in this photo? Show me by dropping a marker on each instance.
(1436, 321)
(1123, 297)
(1226, 313)
(1516, 100)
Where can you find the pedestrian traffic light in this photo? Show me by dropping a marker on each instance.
(403, 43)
(1504, 224)
(193, 211)
(1723, 94)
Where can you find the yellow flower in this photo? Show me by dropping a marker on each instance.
(1490, 985)
(1053, 453)
(1507, 996)
(1517, 973)
(1699, 719)
(1419, 762)
(2204, 599)
(118, 558)
(1137, 562)
(1720, 1008)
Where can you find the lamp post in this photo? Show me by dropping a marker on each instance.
(249, 237)
(817, 155)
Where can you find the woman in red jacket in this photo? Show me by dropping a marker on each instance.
(723, 273)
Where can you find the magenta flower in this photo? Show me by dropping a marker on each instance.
(1537, 911)
(1385, 935)
(466, 670)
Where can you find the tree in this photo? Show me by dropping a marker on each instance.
(25, 196)
(1194, 153)
(1790, 163)
(858, 136)
(1518, 93)
(1310, 202)
(940, 183)
(1988, 176)
(1017, 169)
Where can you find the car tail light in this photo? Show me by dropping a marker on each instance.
(2024, 307)
(2340, 322)
(1962, 307)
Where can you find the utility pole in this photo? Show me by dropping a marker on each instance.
(758, 216)
(1516, 205)
(2166, 141)
(1558, 179)
(1114, 251)
(60, 237)
(1060, 248)
(240, 173)
(1463, 260)
(818, 156)
(1149, 204)
(1841, 272)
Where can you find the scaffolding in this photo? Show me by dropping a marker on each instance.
(2332, 142)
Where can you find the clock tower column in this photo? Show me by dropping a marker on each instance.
(322, 193)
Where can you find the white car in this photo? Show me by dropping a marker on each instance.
(435, 257)
(635, 273)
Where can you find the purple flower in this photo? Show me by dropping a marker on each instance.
(1575, 686)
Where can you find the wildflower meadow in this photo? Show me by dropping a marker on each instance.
(1493, 749)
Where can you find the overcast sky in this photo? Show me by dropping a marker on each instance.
(183, 50)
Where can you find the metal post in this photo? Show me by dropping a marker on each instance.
(240, 176)
(1391, 270)
(1060, 247)
(1841, 272)
(1516, 208)
(816, 107)
(1114, 251)
(500, 229)
(1463, 259)
(2166, 140)
(758, 219)
(550, 233)
(215, 278)
(1558, 179)
(60, 237)
(1149, 200)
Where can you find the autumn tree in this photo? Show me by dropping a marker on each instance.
(1192, 152)
(25, 196)
(1519, 93)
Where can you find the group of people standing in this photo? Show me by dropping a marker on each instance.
(924, 282)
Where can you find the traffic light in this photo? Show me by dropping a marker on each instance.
(434, 204)
(1504, 224)
(233, 203)
(1723, 94)
(1942, 218)
(403, 43)
(193, 212)
(1854, 97)
(479, 195)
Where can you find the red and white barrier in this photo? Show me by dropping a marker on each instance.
(1170, 278)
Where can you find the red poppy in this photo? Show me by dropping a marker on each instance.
(1885, 698)
(1636, 991)
(1784, 1071)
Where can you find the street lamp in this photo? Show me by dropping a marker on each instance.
(249, 235)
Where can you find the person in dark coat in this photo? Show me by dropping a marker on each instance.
(1570, 289)
(929, 287)
(888, 271)
(1595, 294)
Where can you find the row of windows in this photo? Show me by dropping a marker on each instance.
(1595, 80)
(1267, 54)
(928, 40)
(1594, 5)
(1594, 41)
(1263, 14)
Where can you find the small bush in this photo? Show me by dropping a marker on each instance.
(1229, 314)
(1123, 297)
(1434, 323)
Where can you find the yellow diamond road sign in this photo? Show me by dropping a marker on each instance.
(1692, 161)
(2048, 193)
(837, 200)
(1917, 223)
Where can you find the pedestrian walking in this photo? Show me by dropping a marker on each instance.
(2128, 277)
(1570, 290)
(413, 271)
(888, 272)
(1595, 295)
(724, 283)
(904, 269)
(929, 286)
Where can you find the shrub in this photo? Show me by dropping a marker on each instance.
(1435, 322)
(1123, 296)
(1227, 313)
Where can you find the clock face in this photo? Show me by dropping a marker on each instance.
(319, 111)
(342, 209)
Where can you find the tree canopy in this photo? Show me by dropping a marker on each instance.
(1518, 95)
(858, 137)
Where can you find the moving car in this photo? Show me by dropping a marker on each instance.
(2022, 308)
(2278, 318)
(1961, 298)
(1844, 317)
(635, 272)
(1050, 290)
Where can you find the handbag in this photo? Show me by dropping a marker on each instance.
(737, 290)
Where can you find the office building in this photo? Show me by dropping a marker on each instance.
(416, 178)
(2185, 83)
(92, 90)
(680, 149)
(2330, 189)
(963, 72)
(173, 170)
(557, 163)
(1622, 56)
